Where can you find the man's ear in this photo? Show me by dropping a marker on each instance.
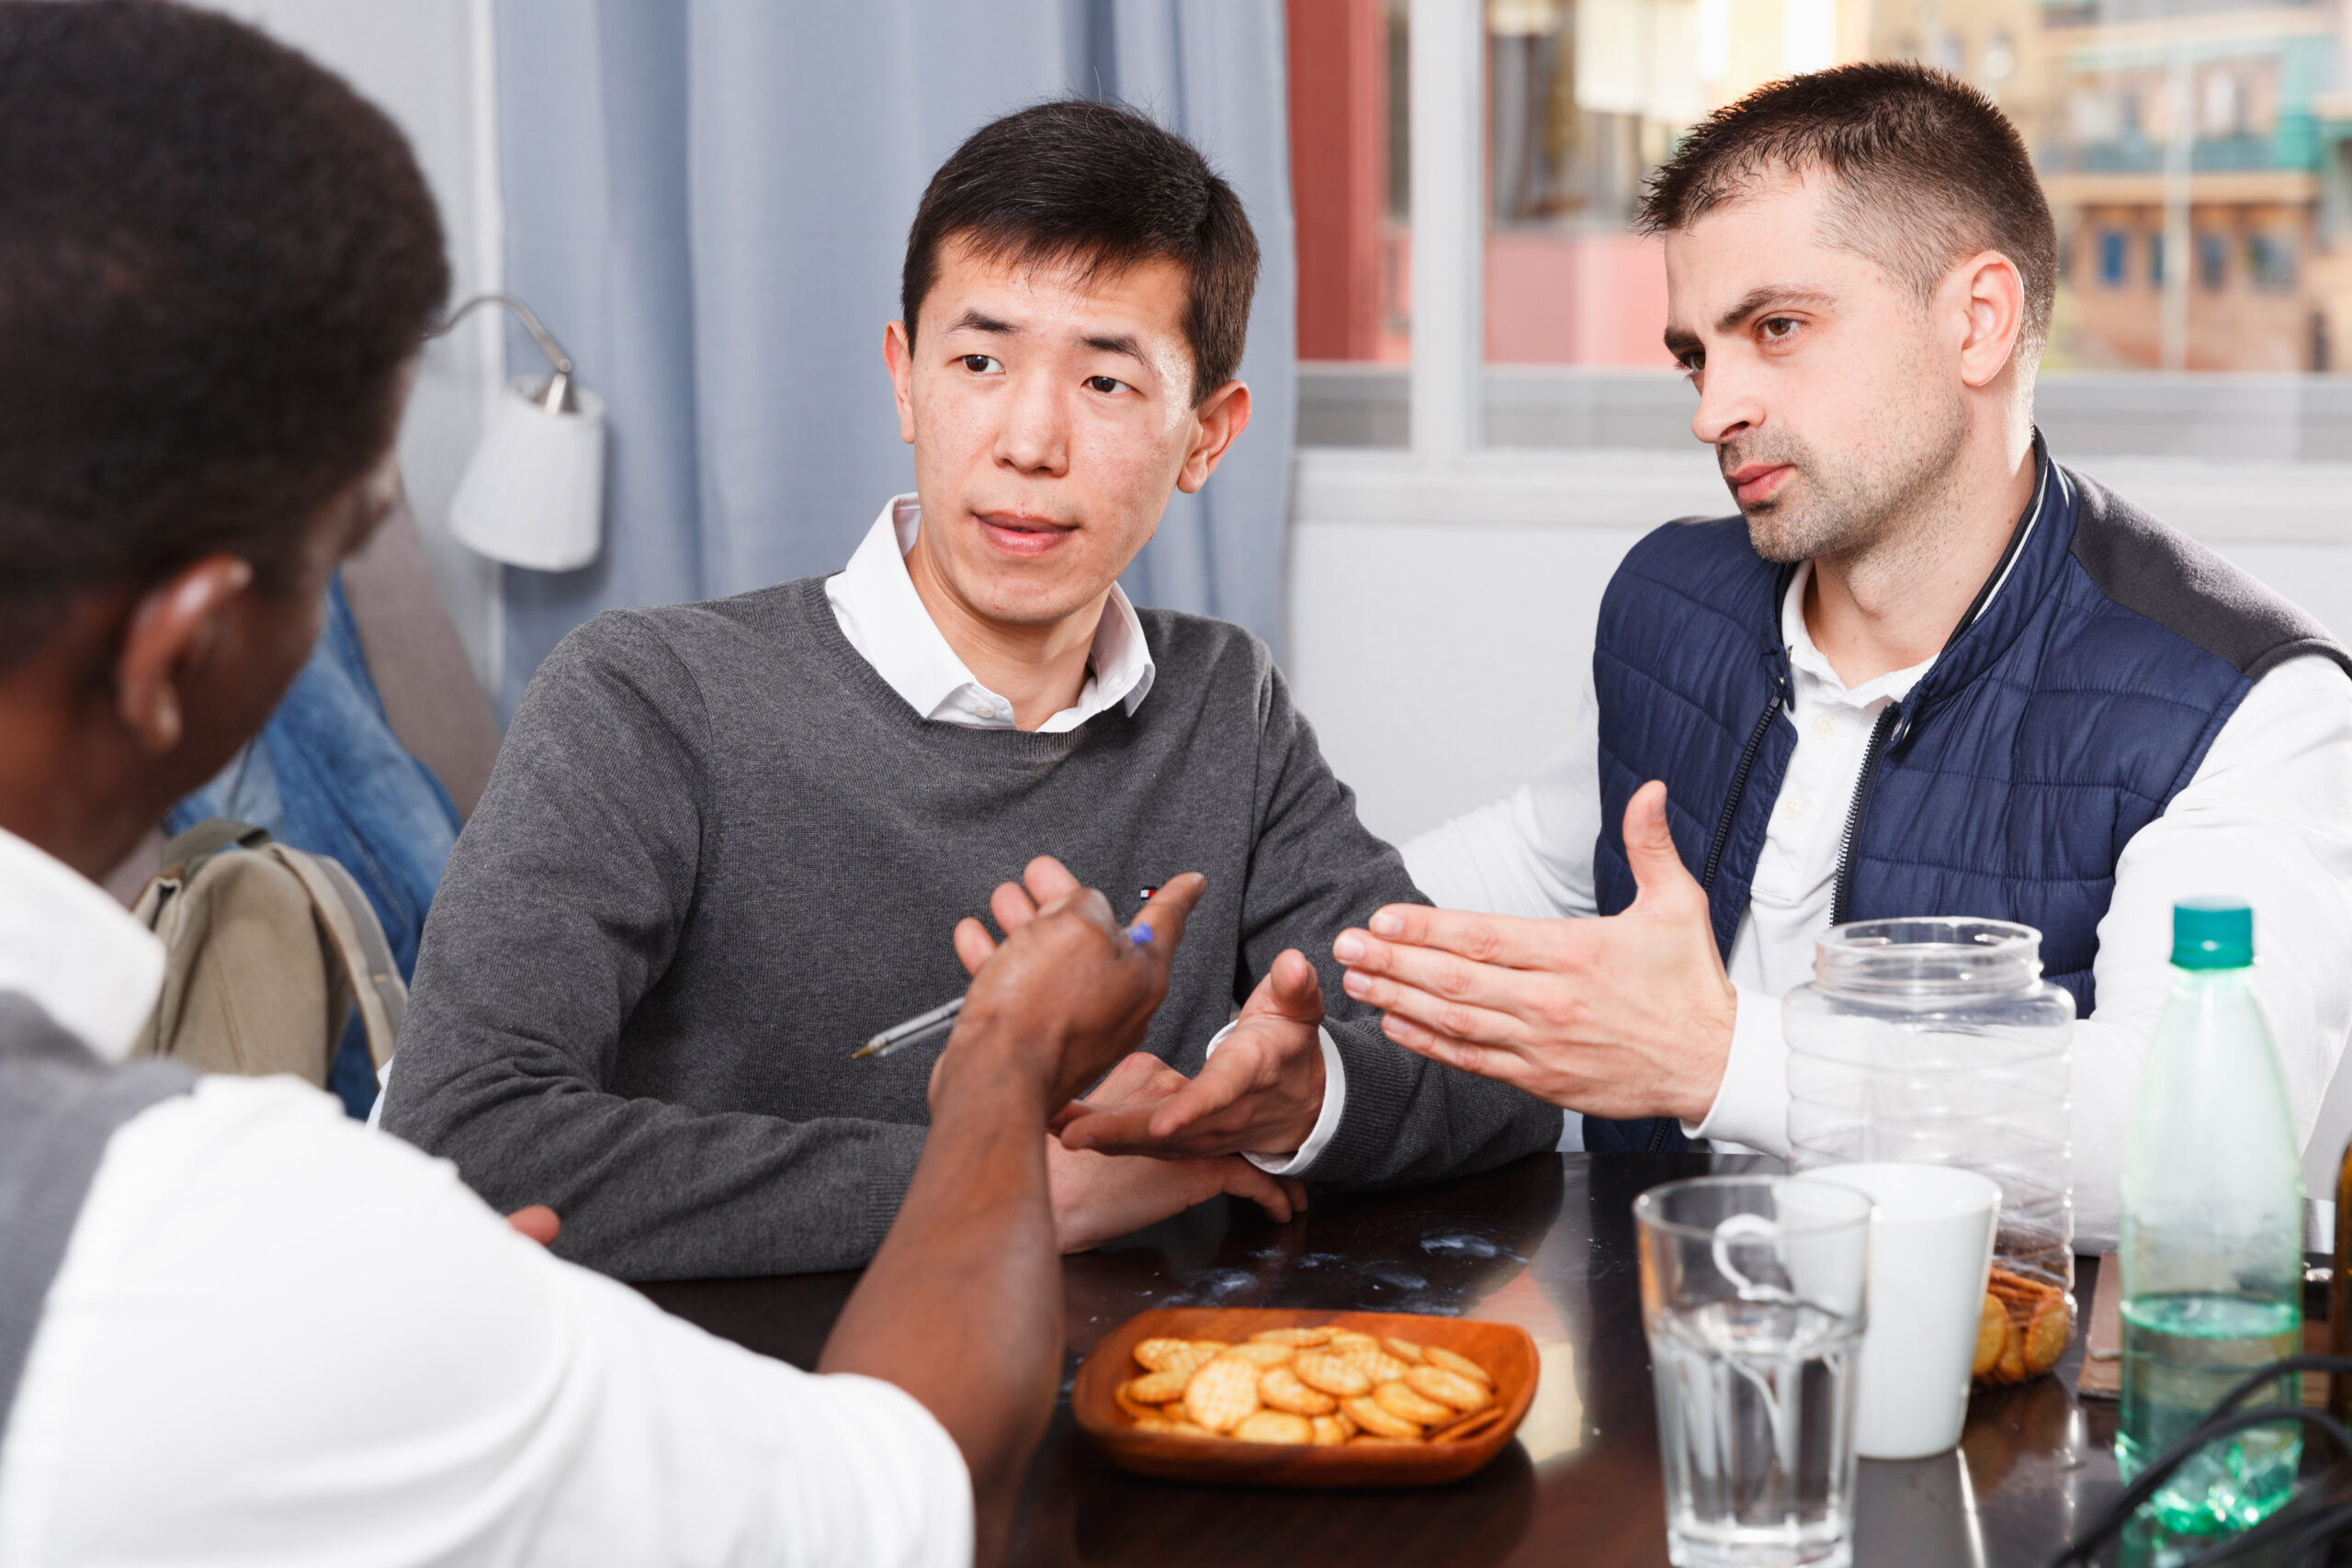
(1992, 307)
(898, 354)
(173, 626)
(1222, 417)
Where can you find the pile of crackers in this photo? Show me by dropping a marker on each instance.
(1323, 1387)
(2022, 1329)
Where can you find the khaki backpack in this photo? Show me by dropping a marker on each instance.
(269, 950)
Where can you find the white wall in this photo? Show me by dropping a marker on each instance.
(1435, 661)
(425, 63)
(1435, 622)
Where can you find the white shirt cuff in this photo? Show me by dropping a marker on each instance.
(1751, 1104)
(1326, 1122)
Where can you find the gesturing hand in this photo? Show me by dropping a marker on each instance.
(1097, 1197)
(1014, 905)
(1068, 991)
(1630, 1015)
(1260, 1094)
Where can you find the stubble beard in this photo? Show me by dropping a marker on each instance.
(1851, 508)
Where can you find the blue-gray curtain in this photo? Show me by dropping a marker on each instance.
(707, 200)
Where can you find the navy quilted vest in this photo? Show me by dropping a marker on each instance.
(2056, 724)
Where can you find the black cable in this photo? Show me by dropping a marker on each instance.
(2254, 1381)
(2224, 1419)
(2326, 1527)
(2309, 1528)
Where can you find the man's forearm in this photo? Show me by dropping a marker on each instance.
(962, 1308)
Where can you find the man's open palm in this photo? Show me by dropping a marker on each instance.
(1261, 1092)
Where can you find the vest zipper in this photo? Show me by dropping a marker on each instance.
(1841, 893)
(1739, 788)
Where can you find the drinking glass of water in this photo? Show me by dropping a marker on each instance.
(1754, 1300)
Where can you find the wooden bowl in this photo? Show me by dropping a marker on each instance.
(1504, 1351)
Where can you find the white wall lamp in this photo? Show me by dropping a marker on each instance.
(534, 494)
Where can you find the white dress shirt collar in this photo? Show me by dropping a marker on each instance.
(1811, 666)
(73, 950)
(876, 604)
(1814, 675)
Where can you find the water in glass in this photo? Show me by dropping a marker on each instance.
(1756, 1412)
(1753, 1298)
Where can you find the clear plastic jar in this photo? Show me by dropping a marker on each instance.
(1936, 1041)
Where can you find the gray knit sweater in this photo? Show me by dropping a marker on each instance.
(719, 852)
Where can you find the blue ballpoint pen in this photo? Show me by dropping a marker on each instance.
(940, 1020)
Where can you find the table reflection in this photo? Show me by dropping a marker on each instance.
(1546, 1244)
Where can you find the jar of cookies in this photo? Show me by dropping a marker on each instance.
(1936, 1041)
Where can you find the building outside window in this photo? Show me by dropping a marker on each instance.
(2221, 129)
(2114, 252)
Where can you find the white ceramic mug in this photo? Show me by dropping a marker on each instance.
(1931, 1254)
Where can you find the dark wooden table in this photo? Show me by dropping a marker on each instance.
(1548, 1243)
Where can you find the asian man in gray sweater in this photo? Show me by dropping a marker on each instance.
(726, 842)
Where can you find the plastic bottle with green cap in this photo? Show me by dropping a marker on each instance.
(2213, 1233)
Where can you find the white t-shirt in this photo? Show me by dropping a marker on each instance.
(275, 1337)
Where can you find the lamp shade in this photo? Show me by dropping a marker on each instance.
(534, 494)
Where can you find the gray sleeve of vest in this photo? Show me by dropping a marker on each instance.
(562, 906)
(1315, 870)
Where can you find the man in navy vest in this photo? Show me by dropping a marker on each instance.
(1928, 671)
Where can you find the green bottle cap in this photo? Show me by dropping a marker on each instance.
(2212, 934)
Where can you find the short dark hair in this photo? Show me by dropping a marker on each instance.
(214, 259)
(1102, 187)
(1931, 172)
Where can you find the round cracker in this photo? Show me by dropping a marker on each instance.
(1468, 1426)
(1368, 1414)
(1275, 1427)
(1291, 1337)
(1377, 1364)
(2046, 1335)
(1263, 1352)
(1448, 1388)
(1222, 1392)
(1404, 1350)
(1158, 1388)
(1330, 1431)
(1282, 1390)
(1992, 1333)
(1332, 1374)
(1399, 1399)
(1439, 1356)
(1158, 1354)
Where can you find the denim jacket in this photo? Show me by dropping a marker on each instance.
(328, 775)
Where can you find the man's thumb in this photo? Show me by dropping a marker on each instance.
(1291, 989)
(1649, 846)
